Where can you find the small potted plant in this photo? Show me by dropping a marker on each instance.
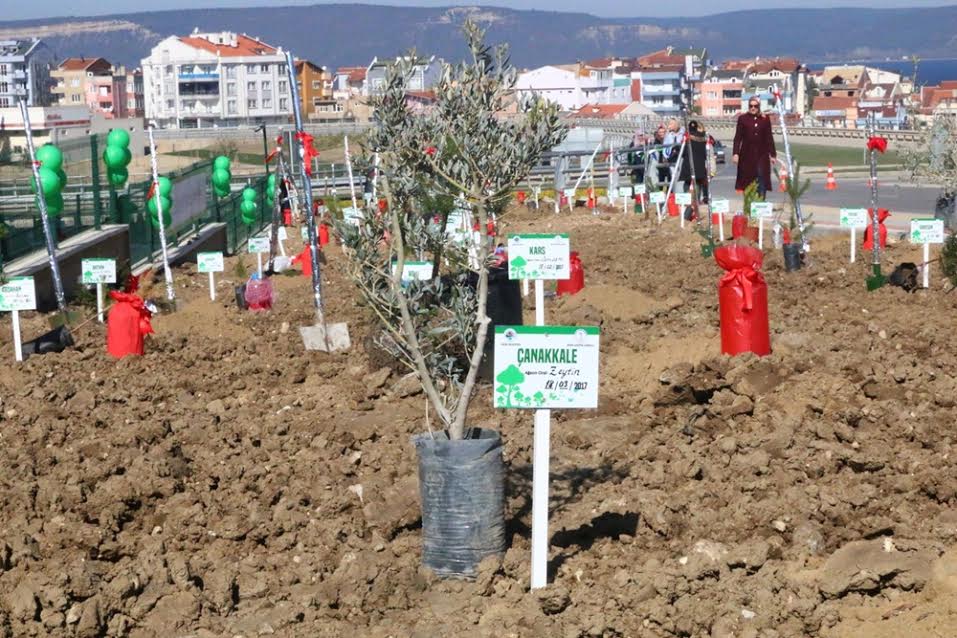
(464, 149)
(795, 240)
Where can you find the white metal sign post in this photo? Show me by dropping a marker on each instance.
(722, 207)
(167, 271)
(540, 368)
(211, 263)
(761, 211)
(640, 191)
(625, 193)
(258, 245)
(853, 218)
(19, 293)
(682, 200)
(538, 257)
(99, 272)
(657, 198)
(352, 184)
(926, 232)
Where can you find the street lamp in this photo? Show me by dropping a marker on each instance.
(262, 127)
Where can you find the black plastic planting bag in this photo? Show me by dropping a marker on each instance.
(57, 340)
(462, 489)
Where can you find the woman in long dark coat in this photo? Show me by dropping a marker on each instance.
(753, 148)
(696, 151)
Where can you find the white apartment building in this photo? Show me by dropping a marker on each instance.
(572, 86)
(209, 80)
(25, 73)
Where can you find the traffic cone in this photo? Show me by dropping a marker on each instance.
(591, 198)
(831, 184)
(783, 179)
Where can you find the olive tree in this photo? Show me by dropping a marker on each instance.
(467, 149)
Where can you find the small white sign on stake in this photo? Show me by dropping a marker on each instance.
(538, 256)
(926, 232)
(19, 293)
(210, 263)
(853, 218)
(762, 210)
(540, 368)
(624, 191)
(640, 189)
(351, 215)
(258, 245)
(683, 199)
(304, 233)
(720, 207)
(414, 271)
(657, 197)
(98, 271)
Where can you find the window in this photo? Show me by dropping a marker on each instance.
(251, 104)
(264, 68)
(250, 69)
(75, 82)
(283, 87)
(266, 85)
(169, 69)
(282, 69)
(316, 84)
(251, 88)
(75, 97)
(230, 73)
(231, 107)
(170, 104)
(104, 90)
(283, 104)
(6, 102)
(267, 102)
(4, 87)
(3, 69)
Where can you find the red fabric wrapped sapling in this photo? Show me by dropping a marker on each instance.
(127, 324)
(743, 301)
(882, 214)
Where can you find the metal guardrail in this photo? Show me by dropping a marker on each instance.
(272, 131)
(626, 127)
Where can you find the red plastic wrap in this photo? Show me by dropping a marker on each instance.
(127, 323)
(882, 214)
(673, 210)
(576, 279)
(304, 258)
(743, 301)
(739, 226)
(520, 197)
(323, 236)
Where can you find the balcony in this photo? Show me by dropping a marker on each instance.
(19, 75)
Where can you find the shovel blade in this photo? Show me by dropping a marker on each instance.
(329, 338)
(876, 280)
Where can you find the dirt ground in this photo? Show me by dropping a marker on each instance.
(230, 484)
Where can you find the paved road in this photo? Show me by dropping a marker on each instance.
(903, 199)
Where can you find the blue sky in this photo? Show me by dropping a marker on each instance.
(610, 8)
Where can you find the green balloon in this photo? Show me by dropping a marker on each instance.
(54, 203)
(221, 177)
(271, 180)
(117, 176)
(61, 174)
(249, 219)
(167, 219)
(127, 157)
(221, 162)
(221, 192)
(165, 186)
(248, 207)
(49, 181)
(115, 156)
(270, 201)
(50, 157)
(165, 201)
(118, 137)
(249, 194)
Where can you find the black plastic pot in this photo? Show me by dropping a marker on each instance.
(241, 297)
(504, 308)
(57, 340)
(462, 491)
(792, 257)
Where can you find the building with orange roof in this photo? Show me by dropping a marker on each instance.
(209, 80)
(106, 89)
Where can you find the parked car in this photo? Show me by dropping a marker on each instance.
(719, 152)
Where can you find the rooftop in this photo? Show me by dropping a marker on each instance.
(83, 64)
(242, 46)
(600, 111)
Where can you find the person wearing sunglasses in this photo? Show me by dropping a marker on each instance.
(753, 148)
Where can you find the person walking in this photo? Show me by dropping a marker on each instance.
(753, 148)
(696, 151)
(660, 156)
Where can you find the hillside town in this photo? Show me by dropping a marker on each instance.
(224, 79)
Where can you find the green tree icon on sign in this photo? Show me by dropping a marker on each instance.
(510, 378)
(518, 266)
(915, 235)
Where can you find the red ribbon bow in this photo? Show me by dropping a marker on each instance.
(431, 151)
(308, 150)
(877, 143)
(744, 278)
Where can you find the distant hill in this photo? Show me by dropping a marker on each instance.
(351, 34)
